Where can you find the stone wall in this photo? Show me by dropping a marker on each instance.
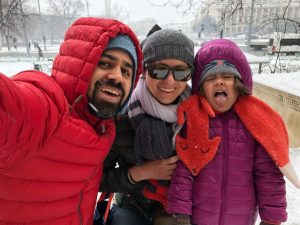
(287, 105)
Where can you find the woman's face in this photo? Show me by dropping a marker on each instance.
(168, 89)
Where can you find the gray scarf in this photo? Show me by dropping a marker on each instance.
(155, 123)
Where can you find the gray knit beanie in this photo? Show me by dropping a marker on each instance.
(168, 44)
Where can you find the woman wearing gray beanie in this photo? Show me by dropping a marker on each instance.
(144, 146)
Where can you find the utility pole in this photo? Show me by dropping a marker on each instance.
(41, 25)
(250, 25)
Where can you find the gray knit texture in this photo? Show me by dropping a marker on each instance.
(168, 44)
(220, 69)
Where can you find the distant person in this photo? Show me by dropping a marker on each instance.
(40, 52)
(58, 129)
(144, 148)
(15, 40)
(231, 149)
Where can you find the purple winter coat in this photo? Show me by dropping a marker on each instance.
(240, 180)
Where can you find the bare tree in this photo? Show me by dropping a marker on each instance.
(68, 9)
(8, 20)
(229, 10)
(23, 23)
(280, 21)
(184, 7)
(113, 10)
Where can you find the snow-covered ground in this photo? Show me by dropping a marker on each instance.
(11, 68)
(286, 82)
(289, 82)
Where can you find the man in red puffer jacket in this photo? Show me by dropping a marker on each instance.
(57, 131)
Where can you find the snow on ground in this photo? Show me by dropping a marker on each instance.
(287, 82)
(53, 48)
(11, 68)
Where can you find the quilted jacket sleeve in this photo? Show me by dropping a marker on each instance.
(27, 118)
(270, 189)
(180, 192)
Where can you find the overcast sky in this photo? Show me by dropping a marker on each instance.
(141, 9)
(137, 10)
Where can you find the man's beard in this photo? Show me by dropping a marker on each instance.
(102, 108)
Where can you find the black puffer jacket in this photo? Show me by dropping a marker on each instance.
(114, 179)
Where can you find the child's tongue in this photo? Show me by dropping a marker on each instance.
(220, 99)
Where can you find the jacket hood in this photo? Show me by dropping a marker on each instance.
(226, 50)
(80, 53)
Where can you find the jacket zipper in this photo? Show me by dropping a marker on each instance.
(225, 168)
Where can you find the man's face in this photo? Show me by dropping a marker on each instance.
(166, 90)
(111, 82)
(220, 91)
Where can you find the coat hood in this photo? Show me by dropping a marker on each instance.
(80, 52)
(221, 49)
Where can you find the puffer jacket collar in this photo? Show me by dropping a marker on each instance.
(78, 57)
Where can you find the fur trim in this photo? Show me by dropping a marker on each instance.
(197, 149)
(255, 114)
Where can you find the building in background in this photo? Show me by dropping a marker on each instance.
(268, 16)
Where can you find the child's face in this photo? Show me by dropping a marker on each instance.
(220, 91)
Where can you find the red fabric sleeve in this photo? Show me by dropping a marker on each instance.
(27, 117)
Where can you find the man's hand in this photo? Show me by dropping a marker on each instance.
(161, 169)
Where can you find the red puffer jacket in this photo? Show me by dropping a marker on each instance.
(51, 149)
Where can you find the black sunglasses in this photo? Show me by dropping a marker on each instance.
(161, 71)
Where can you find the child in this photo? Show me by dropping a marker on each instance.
(237, 142)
